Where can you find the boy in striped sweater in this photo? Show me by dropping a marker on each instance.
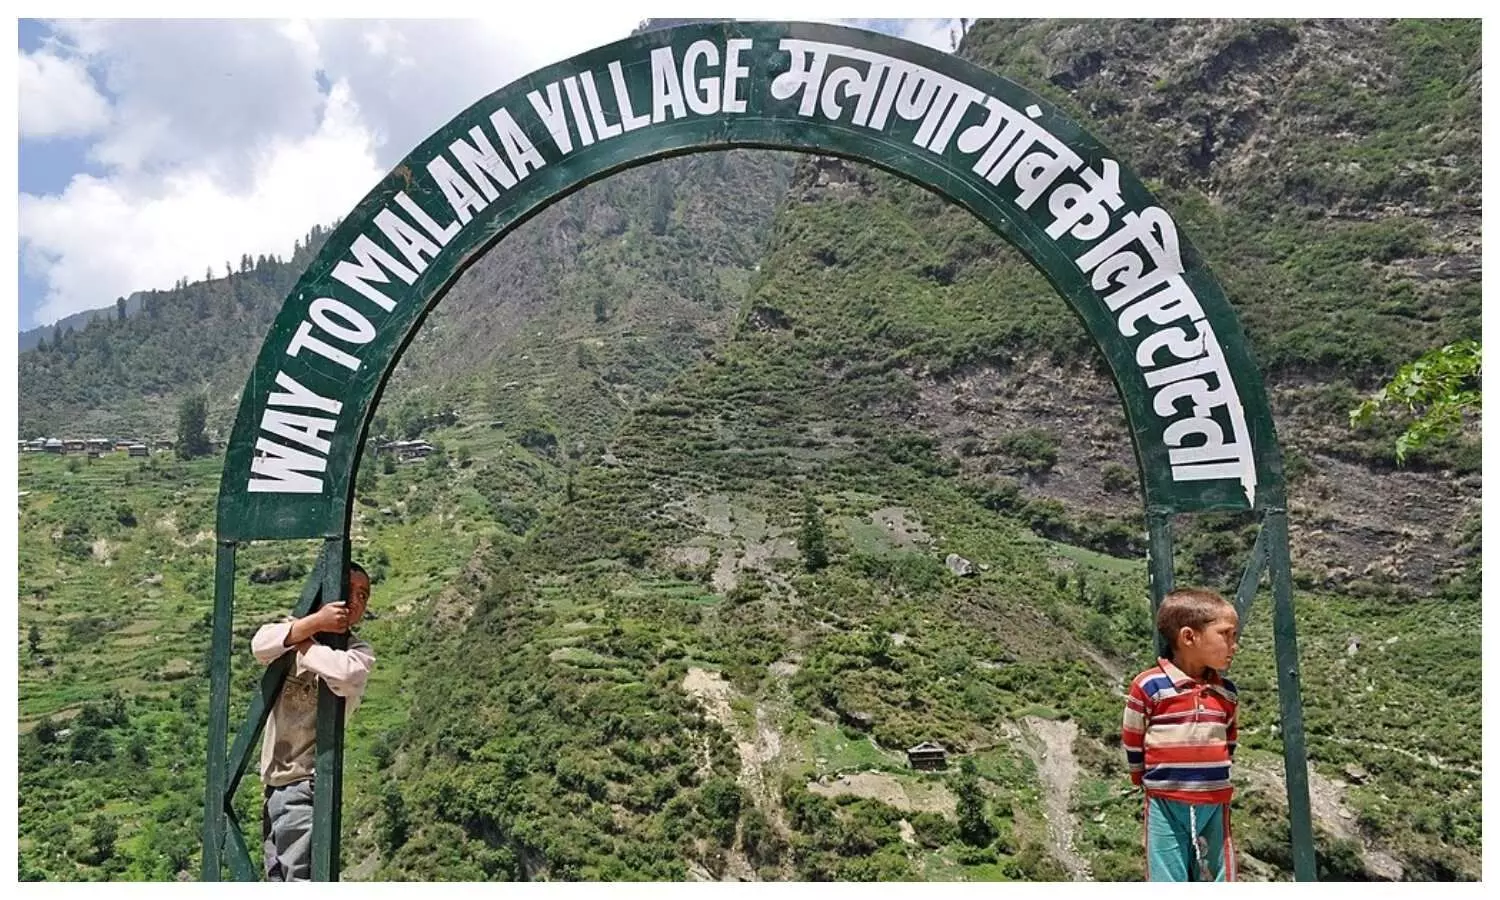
(1179, 734)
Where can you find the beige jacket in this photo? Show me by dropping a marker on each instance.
(288, 750)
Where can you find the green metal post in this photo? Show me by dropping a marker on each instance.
(214, 800)
(1244, 595)
(1159, 542)
(1289, 692)
(237, 855)
(328, 771)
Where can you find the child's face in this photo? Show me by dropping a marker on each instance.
(1214, 644)
(359, 596)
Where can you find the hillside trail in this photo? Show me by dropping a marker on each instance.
(1050, 745)
(758, 747)
(1429, 760)
(1116, 674)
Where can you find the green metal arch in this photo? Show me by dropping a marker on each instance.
(1197, 410)
(1200, 423)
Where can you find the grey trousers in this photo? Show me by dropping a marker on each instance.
(286, 830)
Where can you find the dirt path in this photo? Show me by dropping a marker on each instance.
(757, 751)
(1428, 760)
(1110, 669)
(1328, 809)
(1050, 745)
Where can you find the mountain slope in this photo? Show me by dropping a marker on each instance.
(651, 238)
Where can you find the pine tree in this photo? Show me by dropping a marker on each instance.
(192, 417)
(102, 836)
(813, 542)
(397, 824)
(663, 200)
(974, 826)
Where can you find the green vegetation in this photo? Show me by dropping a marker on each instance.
(192, 416)
(670, 600)
(1438, 389)
(812, 543)
(126, 375)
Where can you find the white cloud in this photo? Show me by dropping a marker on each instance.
(411, 77)
(220, 140)
(57, 99)
(197, 93)
(103, 238)
(936, 33)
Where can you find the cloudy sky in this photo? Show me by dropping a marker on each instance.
(150, 150)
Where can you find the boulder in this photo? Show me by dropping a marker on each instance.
(960, 566)
(271, 574)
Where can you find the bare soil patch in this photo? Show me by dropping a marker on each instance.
(1328, 809)
(911, 796)
(1050, 746)
(903, 526)
(759, 748)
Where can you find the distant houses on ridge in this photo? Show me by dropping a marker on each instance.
(95, 447)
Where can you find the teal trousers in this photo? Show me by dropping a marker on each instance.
(1188, 841)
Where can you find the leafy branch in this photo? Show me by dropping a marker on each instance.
(1438, 388)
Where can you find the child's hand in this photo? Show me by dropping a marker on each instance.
(333, 618)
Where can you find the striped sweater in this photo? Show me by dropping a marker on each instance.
(1179, 734)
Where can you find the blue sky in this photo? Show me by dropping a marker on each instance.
(150, 150)
(45, 168)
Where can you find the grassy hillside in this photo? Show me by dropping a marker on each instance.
(537, 714)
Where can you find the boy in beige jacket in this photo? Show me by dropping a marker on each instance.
(289, 746)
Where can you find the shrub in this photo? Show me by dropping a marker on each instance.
(933, 830)
(1117, 478)
(1033, 448)
(77, 540)
(124, 514)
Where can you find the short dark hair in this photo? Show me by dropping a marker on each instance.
(356, 567)
(1193, 608)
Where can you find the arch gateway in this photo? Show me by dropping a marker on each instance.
(1194, 400)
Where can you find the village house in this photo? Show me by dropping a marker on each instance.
(405, 451)
(927, 755)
